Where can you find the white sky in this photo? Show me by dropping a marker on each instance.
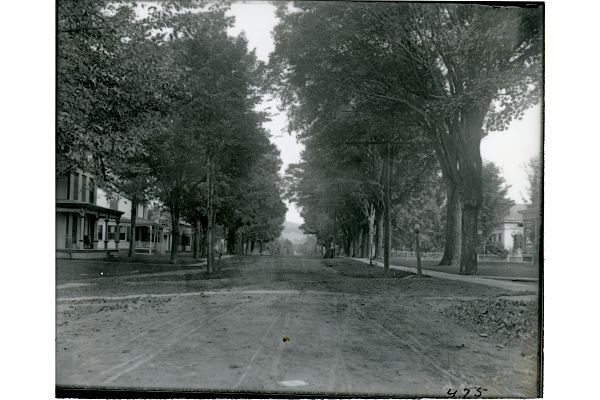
(257, 19)
(510, 150)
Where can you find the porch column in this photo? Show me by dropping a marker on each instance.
(151, 241)
(118, 234)
(106, 230)
(80, 244)
(95, 233)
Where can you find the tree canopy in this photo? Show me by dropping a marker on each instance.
(496, 204)
(454, 71)
(160, 101)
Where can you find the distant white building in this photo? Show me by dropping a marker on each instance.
(509, 234)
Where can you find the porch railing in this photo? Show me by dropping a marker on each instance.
(410, 255)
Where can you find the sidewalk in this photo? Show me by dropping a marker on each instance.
(497, 283)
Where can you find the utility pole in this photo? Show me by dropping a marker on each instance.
(333, 238)
(418, 248)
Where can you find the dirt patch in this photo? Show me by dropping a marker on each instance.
(84, 308)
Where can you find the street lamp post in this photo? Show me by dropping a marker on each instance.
(386, 210)
(417, 229)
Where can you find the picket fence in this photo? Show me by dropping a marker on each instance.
(435, 256)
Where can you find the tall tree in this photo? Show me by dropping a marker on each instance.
(160, 93)
(107, 69)
(534, 180)
(213, 138)
(457, 71)
(495, 204)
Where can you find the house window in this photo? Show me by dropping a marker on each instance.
(111, 232)
(76, 187)
(520, 225)
(62, 188)
(91, 194)
(100, 231)
(122, 233)
(114, 204)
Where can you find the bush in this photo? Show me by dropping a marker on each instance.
(493, 248)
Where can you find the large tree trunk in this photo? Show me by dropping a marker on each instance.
(200, 234)
(452, 246)
(252, 246)
(131, 229)
(379, 234)
(471, 194)
(371, 243)
(446, 150)
(203, 243)
(365, 242)
(174, 234)
(200, 239)
(347, 244)
(468, 259)
(195, 240)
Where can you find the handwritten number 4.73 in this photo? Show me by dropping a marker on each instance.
(474, 393)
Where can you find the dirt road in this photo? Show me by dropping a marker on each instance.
(350, 330)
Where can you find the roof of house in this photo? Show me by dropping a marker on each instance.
(514, 214)
(80, 206)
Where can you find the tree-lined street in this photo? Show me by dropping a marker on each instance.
(421, 84)
(350, 330)
(169, 114)
(163, 137)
